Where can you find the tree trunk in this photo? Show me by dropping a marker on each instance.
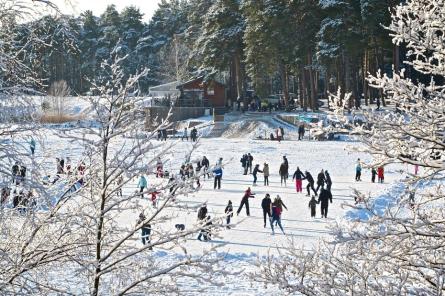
(300, 89)
(365, 71)
(285, 83)
(326, 86)
(239, 80)
(313, 98)
(304, 89)
(355, 86)
(348, 80)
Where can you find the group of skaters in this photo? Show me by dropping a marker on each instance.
(193, 134)
(278, 135)
(162, 134)
(22, 199)
(379, 173)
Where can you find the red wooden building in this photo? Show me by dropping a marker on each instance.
(201, 93)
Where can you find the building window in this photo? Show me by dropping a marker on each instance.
(211, 91)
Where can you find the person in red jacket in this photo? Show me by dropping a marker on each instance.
(381, 174)
(245, 201)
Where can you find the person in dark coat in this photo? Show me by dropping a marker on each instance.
(202, 215)
(15, 173)
(323, 199)
(286, 161)
(328, 181)
(284, 172)
(265, 205)
(244, 163)
(22, 173)
(373, 175)
(145, 229)
(229, 213)
(245, 201)
(194, 134)
(310, 184)
(164, 134)
(202, 212)
(205, 231)
(255, 172)
(320, 180)
(205, 164)
(313, 206)
(282, 133)
(298, 177)
(249, 162)
(301, 132)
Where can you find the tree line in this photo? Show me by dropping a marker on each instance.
(297, 48)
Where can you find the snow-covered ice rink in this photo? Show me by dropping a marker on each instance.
(249, 235)
(248, 238)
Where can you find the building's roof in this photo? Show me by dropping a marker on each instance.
(171, 86)
(201, 78)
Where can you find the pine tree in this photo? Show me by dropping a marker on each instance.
(220, 44)
(88, 46)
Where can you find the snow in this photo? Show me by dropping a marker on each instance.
(248, 238)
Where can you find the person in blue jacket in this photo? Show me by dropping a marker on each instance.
(142, 184)
(217, 174)
(32, 146)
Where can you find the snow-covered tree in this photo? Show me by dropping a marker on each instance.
(398, 250)
(90, 236)
(220, 45)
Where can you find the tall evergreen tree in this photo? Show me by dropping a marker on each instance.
(220, 44)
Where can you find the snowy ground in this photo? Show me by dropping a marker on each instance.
(249, 238)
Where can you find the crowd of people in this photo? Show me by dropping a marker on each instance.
(318, 189)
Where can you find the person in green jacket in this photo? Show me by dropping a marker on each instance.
(142, 184)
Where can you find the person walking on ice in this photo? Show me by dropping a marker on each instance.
(245, 201)
(323, 199)
(381, 174)
(229, 213)
(310, 184)
(266, 174)
(276, 216)
(32, 146)
(217, 175)
(145, 229)
(142, 184)
(255, 172)
(320, 181)
(265, 205)
(358, 170)
(328, 181)
(373, 175)
(284, 172)
(185, 135)
(249, 163)
(298, 177)
(313, 206)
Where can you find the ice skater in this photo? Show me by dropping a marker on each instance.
(245, 201)
(298, 177)
(313, 206)
(323, 199)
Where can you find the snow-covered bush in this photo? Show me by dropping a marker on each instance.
(400, 251)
